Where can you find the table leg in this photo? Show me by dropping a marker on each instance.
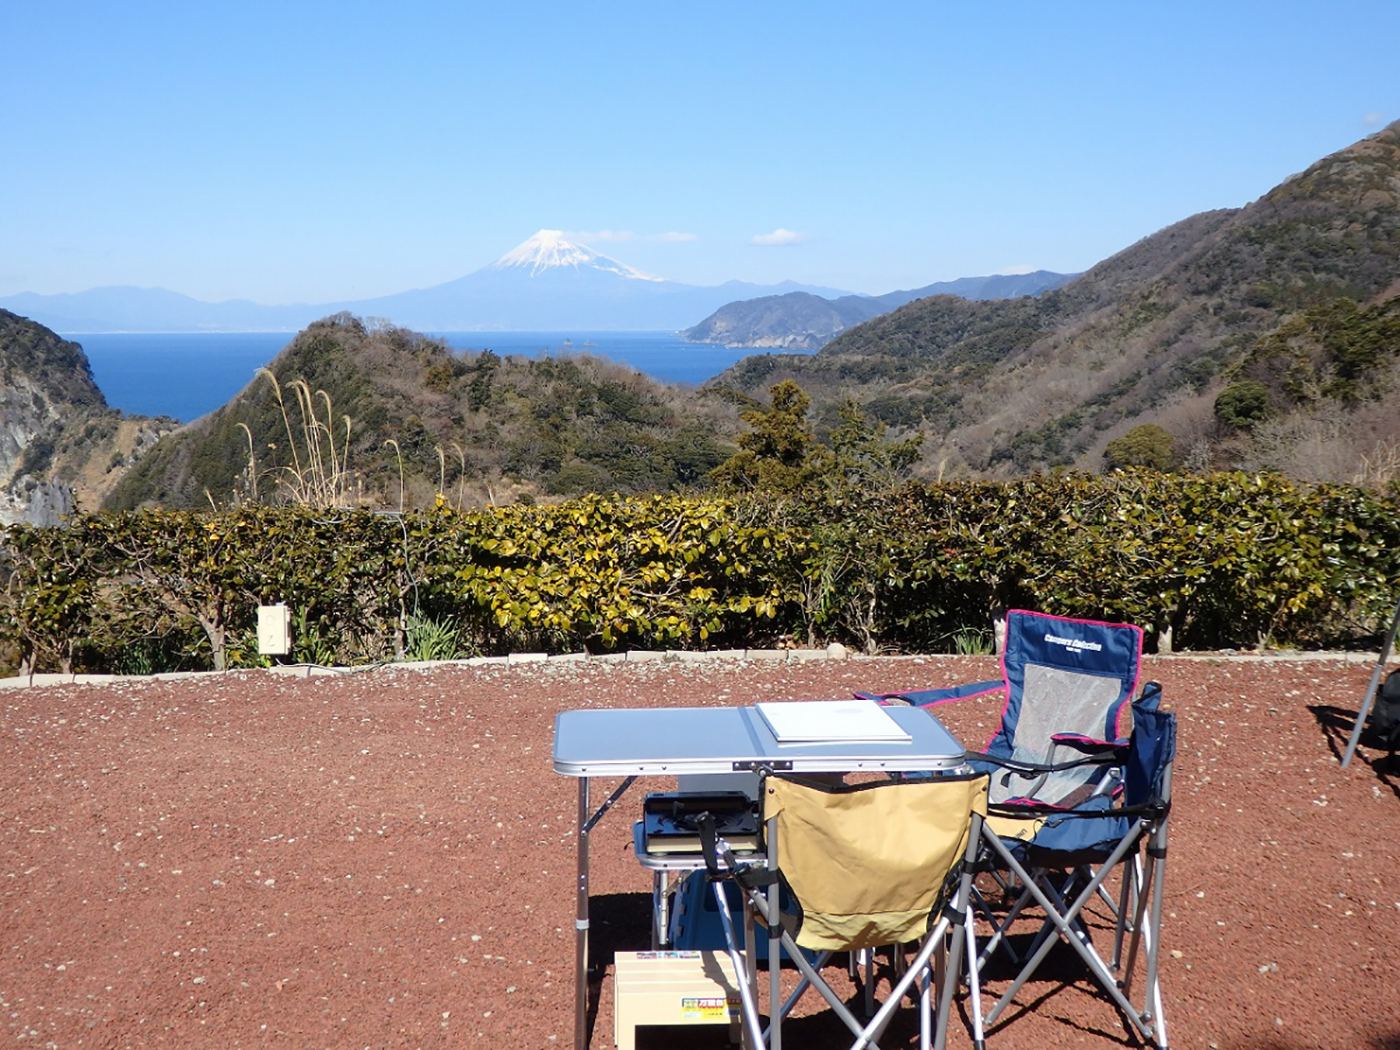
(581, 924)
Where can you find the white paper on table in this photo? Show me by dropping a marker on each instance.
(818, 721)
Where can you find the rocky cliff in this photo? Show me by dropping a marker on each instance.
(60, 444)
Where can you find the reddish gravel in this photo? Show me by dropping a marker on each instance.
(385, 859)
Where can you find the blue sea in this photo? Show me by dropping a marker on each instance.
(187, 376)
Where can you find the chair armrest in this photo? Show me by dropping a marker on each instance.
(928, 697)
(1108, 750)
(1029, 768)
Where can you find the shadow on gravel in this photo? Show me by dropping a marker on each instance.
(1337, 724)
(617, 922)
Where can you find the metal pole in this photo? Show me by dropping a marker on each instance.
(1370, 696)
(775, 944)
(581, 924)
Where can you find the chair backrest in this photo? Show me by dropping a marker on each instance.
(1065, 679)
(868, 863)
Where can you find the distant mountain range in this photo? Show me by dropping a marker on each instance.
(802, 321)
(1261, 338)
(544, 284)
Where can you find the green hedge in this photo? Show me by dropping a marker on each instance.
(1201, 562)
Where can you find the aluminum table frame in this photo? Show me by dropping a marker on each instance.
(672, 741)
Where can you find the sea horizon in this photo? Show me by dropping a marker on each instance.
(186, 375)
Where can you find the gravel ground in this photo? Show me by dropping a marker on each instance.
(385, 859)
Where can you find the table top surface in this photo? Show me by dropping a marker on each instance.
(688, 740)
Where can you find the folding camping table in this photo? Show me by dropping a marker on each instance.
(631, 743)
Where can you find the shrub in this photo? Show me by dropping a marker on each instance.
(1145, 446)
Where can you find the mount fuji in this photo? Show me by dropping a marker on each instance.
(547, 250)
(551, 284)
(546, 283)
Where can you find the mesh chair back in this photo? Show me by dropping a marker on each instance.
(867, 863)
(1066, 680)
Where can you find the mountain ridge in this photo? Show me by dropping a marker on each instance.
(801, 321)
(546, 283)
(1152, 334)
(1264, 337)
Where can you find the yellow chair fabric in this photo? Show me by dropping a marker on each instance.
(868, 862)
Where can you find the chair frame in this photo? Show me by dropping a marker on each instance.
(1064, 891)
(945, 951)
(1140, 855)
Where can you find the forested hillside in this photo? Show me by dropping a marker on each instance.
(378, 415)
(1152, 337)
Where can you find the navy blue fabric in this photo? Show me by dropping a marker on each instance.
(1079, 836)
(1082, 646)
(1151, 751)
(925, 697)
(1074, 837)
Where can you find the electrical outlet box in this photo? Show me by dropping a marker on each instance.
(274, 630)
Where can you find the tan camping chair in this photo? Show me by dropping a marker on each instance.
(867, 865)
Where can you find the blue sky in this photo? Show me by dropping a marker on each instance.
(313, 151)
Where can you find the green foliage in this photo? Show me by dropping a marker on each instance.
(313, 640)
(1144, 446)
(52, 589)
(779, 453)
(1242, 405)
(434, 639)
(659, 572)
(1336, 349)
(1229, 560)
(971, 642)
(863, 459)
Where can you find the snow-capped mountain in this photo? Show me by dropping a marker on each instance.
(546, 283)
(547, 250)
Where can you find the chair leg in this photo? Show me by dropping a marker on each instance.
(1064, 925)
(797, 993)
(1157, 858)
(746, 989)
(1128, 894)
(868, 957)
(974, 986)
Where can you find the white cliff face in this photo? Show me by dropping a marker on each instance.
(31, 501)
(44, 382)
(27, 414)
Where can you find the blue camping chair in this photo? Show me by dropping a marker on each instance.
(1077, 804)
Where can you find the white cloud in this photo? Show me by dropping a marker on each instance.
(1373, 119)
(779, 238)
